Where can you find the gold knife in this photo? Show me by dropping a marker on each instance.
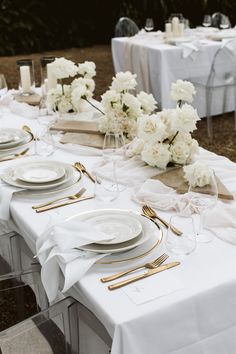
(15, 156)
(40, 210)
(144, 275)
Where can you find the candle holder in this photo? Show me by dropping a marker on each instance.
(26, 77)
(45, 80)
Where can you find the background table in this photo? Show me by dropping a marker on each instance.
(158, 64)
(199, 318)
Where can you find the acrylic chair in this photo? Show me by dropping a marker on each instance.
(221, 80)
(216, 19)
(126, 27)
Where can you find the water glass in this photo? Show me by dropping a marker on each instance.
(186, 243)
(3, 85)
(206, 21)
(106, 186)
(44, 142)
(113, 146)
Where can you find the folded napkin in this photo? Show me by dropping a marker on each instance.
(22, 109)
(6, 193)
(56, 252)
(190, 49)
(222, 221)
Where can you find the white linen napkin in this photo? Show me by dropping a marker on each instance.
(56, 251)
(222, 221)
(6, 193)
(190, 49)
(22, 109)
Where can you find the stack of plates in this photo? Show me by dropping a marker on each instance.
(41, 175)
(126, 228)
(12, 139)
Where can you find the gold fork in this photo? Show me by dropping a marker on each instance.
(151, 265)
(73, 197)
(83, 169)
(15, 156)
(147, 210)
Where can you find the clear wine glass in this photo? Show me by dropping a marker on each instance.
(225, 22)
(201, 200)
(206, 21)
(3, 85)
(149, 25)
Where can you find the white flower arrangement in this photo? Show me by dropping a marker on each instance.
(73, 97)
(198, 174)
(164, 137)
(123, 109)
(182, 91)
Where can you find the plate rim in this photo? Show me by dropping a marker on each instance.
(18, 143)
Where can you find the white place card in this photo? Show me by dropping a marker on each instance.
(153, 287)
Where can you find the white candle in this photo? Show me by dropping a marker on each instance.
(175, 26)
(52, 81)
(181, 29)
(25, 78)
(168, 30)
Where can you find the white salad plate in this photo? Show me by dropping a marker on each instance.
(144, 236)
(121, 228)
(40, 172)
(10, 138)
(10, 177)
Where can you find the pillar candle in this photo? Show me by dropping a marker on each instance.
(25, 78)
(175, 26)
(52, 81)
(168, 30)
(181, 29)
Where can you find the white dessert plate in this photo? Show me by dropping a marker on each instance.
(144, 236)
(121, 228)
(40, 172)
(11, 137)
(9, 177)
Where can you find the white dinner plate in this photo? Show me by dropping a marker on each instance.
(9, 177)
(179, 40)
(144, 236)
(40, 172)
(121, 228)
(13, 137)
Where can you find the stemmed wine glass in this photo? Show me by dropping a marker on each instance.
(149, 25)
(202, 199)
(206, 21)
(225, 22)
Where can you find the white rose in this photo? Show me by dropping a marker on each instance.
(187, 118)
(53, 98)
(89, 83)
(147, 101)
(64, 106)
(130, 127)
(137, 146)
(169, 118)
(156, 155)
(87, 69)
(194, 150)
(111, 100)
(198, 174)
(78, 96)
(182, 91)
(131, 105)
(180, 152)
(109, 123)
(123, 82)
(63, 68)
(151, 128)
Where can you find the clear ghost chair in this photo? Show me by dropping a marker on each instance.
(126, 27)
(220, 84)
(216, 20)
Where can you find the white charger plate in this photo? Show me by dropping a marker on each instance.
(13, 137)
(121, 228)
(40, 172)
(9, 177)
(146, 234)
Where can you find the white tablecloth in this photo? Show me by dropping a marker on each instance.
(199, 318)
(158, 64)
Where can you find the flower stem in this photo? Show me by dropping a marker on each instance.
(172, 140)
(93, 105)
(180, 102)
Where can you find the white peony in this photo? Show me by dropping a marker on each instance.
(53, 98)
(124, 82)
(111, 100)
(89, 83)
(87, 69)
(169, 118)
(63, 68)
(182, 91)
(180, 152)
(137, 146)
(131, 105)
(198, 174)
(64, 106)
(151, 128)
(78, 96)
(147, 101)
(156, 155)
(187, 118)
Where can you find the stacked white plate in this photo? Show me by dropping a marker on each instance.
(41, 175)
(126, 228)
(12, 139)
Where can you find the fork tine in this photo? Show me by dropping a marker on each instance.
(161, 259)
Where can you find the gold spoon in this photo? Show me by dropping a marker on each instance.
(27, 129)
(73, 197)
(82, 168)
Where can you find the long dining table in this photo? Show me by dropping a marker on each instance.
(197, 316)
(158, 63)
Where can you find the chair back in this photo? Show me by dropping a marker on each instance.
(216, 19)
(126, 27)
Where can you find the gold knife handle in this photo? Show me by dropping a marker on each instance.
(39, 206)
(119, 275)
(167, 225)
(126, 282)
(50, 207)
